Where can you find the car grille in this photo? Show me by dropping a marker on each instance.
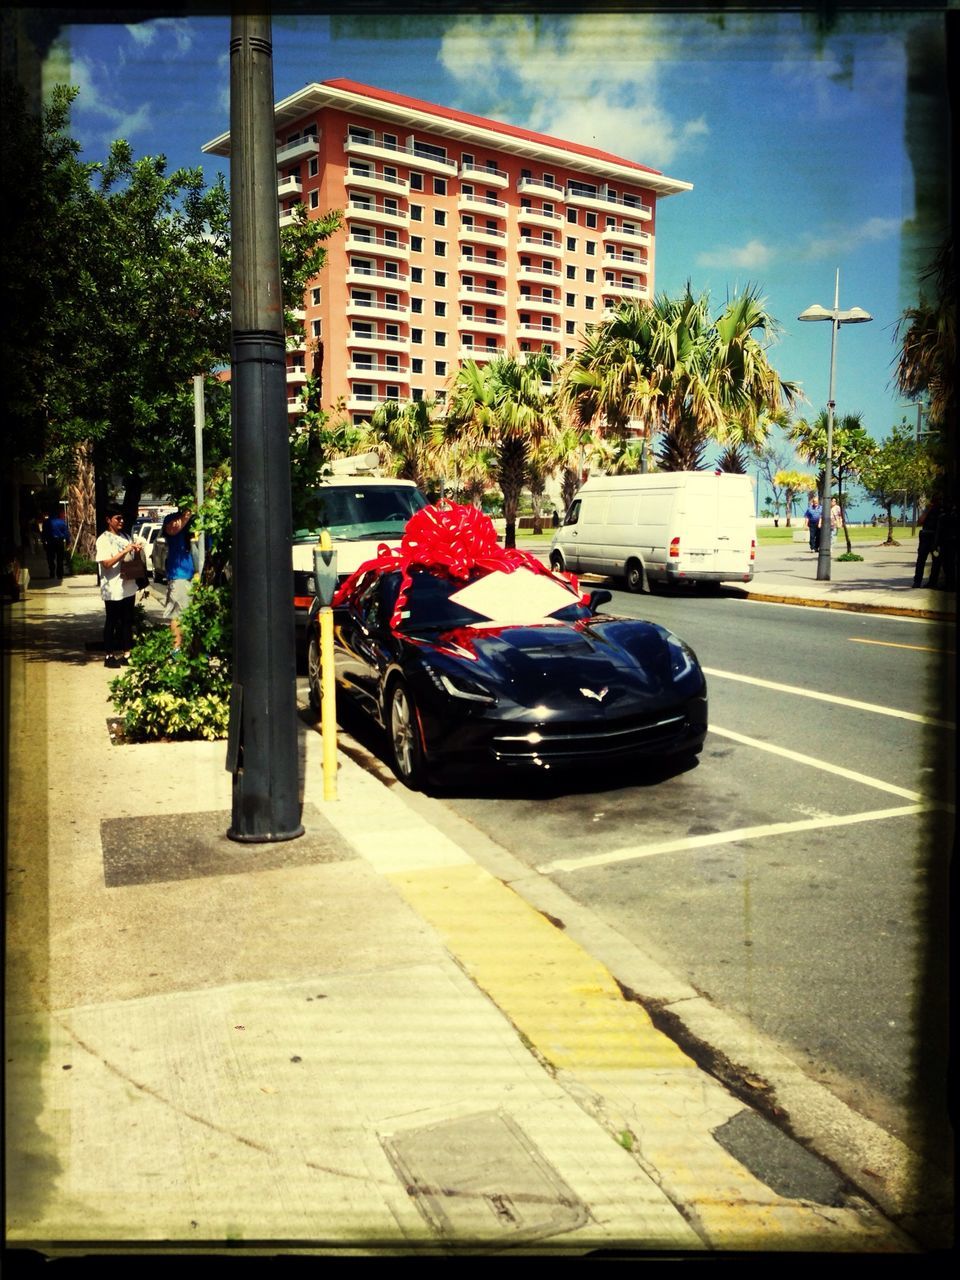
(556, 742)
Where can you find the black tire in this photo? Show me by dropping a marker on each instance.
(403, 737)
(556, 562)
(634, 576)
(313, 668)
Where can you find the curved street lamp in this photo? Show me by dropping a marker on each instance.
(855, 315)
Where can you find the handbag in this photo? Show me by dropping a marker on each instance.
(135, 569)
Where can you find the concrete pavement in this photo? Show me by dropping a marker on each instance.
(366, 1040)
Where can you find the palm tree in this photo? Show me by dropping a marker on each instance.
(733, 460)
(503, 404)
(850, 448)
(681, 446)
(407, 437)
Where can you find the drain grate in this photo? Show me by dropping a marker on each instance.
(480, 1179)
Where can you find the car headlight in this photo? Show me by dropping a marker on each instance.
(459, 686)
(682, 660)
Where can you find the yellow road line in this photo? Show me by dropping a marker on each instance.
(890, 644)
(836, 699)
(562, 1000)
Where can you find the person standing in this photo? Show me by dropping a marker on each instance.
(55, 534)
(118, 594)
(179, 570)
(927, 538)
(945, 549)
(813, 516)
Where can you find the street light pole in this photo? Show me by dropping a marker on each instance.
(854, 315)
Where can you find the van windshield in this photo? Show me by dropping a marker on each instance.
(359, 512)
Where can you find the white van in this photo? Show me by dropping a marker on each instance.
(665, 527)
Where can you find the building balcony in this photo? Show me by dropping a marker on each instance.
(378, 371)
(481, 235)
(299, 313)
(377, 246)
(624, 235)
(291, 151)
(287, 217)
(377, 341)
(296, 342)
(296, 405)
(367, 402)
(384, 215)
(638, 261)
(482, 266)
(547, 274)
(606, 203)
(480, 354)
(287, 187)
(373, 276)
(482, 204)
(473, 292)
(538, 187)
(422, 158)
(546, 248)
(481, 324)
(476, 173)
(296, 373)
(378, 308)
(623, 289)
(538, 218)
(386, 183)
(530, 302)
(531, 330)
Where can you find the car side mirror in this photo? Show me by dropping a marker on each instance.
(597, 598)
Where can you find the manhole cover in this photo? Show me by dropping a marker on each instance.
(480, 1178)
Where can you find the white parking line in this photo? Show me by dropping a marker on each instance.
(830, 697)
(687, 843)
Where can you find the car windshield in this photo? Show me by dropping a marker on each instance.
(359, 512)
(435, 603)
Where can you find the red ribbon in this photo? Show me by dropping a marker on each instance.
(448, 539)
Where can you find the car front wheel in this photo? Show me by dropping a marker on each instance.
(406, 749)
(313, 669)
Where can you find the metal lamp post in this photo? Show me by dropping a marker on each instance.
(855, 315)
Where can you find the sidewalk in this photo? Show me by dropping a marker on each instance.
(359, 1041)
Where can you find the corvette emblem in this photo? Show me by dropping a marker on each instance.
(592, 693)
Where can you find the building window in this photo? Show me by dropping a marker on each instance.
(571, 299)
(417, 394)
(416, 212)
(571, 273)
(571, 215)
(416, 182)
(590, 303)
(571, 244)
(416, 275)
(524, 346)
(416, 365)
(439, 217)
(315, 296)
(416, 306)
(416, 335)
(439, 308)
(440, 248)
(440, 368)
(570, 327)
(440, 279)
(590, 274)
(440, 338)
(526, 173)
(591, 219)
(591, 246)
(467, 159)
(439, 186)
(314, 167)
(392, 391)
(314, 199)
(416, 244)
(317, 328)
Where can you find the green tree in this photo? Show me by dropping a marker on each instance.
(408, 437)
(851, 448)
(504, 404)
(897, 470)
(793, 484)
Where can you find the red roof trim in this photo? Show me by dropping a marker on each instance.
(463, 117)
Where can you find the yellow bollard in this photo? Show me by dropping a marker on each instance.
(328, 695)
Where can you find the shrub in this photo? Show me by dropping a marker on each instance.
(849, 555)
(187, 696)
(80, 564)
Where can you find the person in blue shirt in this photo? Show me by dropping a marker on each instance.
(179, 570)
(813, 516)
(54, 535)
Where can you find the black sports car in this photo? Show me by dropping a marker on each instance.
(509, 669)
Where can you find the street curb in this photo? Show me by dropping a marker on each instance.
(852, 606)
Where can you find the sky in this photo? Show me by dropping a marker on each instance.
(796, 140)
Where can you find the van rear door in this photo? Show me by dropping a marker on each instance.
(736, 524)
(716, 527)
(697, 518)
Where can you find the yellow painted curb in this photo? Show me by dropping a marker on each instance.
(563, 1001)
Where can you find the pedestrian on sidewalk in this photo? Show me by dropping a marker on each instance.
(54, 535)
(945, 549)
(813, 516)
(179, 570)
(927, 537)
(119, 594)
(836, 516)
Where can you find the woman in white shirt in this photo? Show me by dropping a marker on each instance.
(119, 594)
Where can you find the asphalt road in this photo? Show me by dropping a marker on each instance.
(786, 876)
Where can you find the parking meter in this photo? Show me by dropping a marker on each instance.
(325, 570)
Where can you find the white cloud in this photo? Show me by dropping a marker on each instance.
(176, 30)
(591, 78)
(754, 254)
(99, 118)
(848, 239)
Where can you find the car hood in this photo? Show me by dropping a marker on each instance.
(599, 664)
